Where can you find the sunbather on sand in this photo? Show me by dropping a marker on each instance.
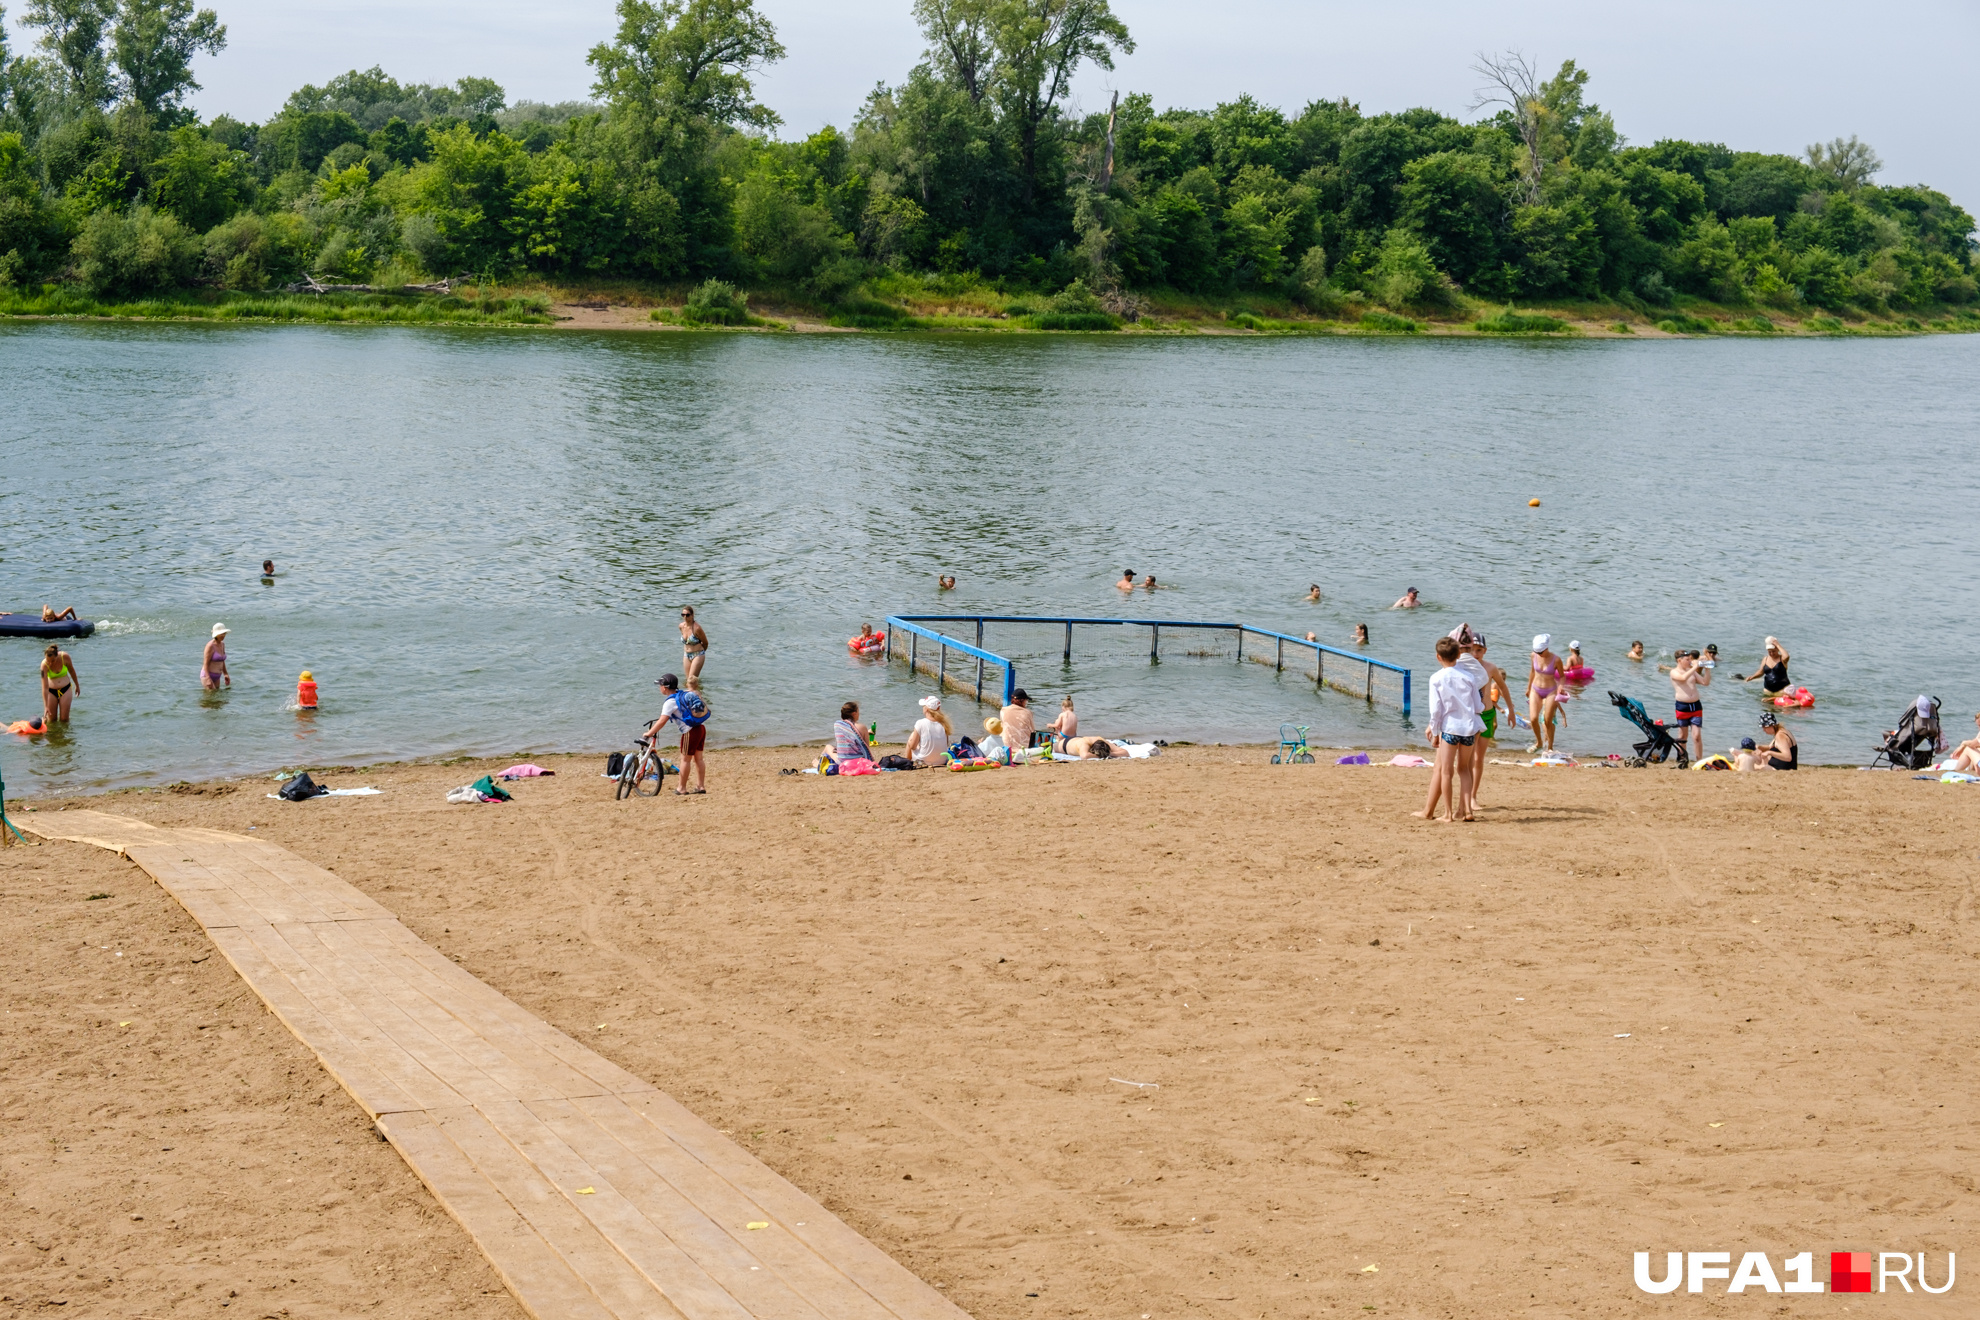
(1088, 749)
(1966, 757)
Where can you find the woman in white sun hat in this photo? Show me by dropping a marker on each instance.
(213, 666)
(1543, 693)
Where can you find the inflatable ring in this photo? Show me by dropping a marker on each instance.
(1580, 674)
(866, 645)
(1799, 699)
(28, 728)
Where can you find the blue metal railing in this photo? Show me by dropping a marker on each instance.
(911, 624)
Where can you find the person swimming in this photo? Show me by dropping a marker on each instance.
(1148, 583)
(1127, 580)
(946, 582)
(1313, 593)
(1408, 601)
(1773, 670)
(1636, 652)
(1361, 634)
(267, 568)
(48, 614)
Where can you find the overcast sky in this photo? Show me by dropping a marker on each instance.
(1763, 75)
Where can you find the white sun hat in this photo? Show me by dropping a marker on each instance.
(1540, 642)
(220, 630)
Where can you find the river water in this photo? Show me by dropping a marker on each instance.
(482, 537)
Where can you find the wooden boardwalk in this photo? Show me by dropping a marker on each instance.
(592, 1193)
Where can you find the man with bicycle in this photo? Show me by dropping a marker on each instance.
(691, 712)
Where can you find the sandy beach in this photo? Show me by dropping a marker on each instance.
(1199, 1035)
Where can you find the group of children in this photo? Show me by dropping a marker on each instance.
(1466, 694)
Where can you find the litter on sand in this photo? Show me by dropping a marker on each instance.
(1358, 758)
(1146, 1086)
(760, 1223)
(336, 792)
(587, 1191)
(483, 789)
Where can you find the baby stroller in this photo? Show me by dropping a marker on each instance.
(1659, 746)
(1916, 740)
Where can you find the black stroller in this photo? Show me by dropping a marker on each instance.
(1659, 746)
(1915, 742)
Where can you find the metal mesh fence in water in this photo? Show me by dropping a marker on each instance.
(961, 649)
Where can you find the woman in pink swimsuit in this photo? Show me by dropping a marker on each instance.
(1543, 693)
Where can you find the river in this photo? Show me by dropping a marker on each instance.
(482, 536)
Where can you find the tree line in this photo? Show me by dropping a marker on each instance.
(976, 165)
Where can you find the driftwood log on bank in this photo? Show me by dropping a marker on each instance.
(310, 285)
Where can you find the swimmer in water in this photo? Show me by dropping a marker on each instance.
(1361, 634)
(1127, 580)
(1772, 673)
(48, 614)
(1574, 660)
(213, 662)
(60, 685)
(1313, 593)
(1636, 652)
(694, 644)
(1149, 582)
(268, 568)
(946, 582)
(1409, 601)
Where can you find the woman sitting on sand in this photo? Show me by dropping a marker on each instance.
(1966, 757)
(929, 743)
(1783, 753)
(848, 739)
(48, 614)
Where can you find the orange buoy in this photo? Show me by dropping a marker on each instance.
(1533, 504)
(306, 691)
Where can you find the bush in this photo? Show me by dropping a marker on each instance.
(1756, 325)
(252, 251)
(1384, 323)
(1405, 275)
(716, 302)
(1828, 325)
(1075, 300)
(1018, 308)
(1510, 322)
(1074, 321)
(1685, 324)
(141, 252)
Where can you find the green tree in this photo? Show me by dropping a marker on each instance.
(680, 66)
(783, 236)
(153, 47)
(469, 190)
(962, 41)
(1040, 46)
(200, 180)
(1848, 162)
(72, 32)
(30, 234)
(1452, 199)
(143, 251)
(1559, 255)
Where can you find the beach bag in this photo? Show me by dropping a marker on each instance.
(858, 765)
(895, 761)
(488, 788)
(965, 750)
(691, 710)
(614, 764)
(300, 789)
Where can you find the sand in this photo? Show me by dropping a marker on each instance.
(1434, 1070)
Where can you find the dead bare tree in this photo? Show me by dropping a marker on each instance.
(1107, 165)
(1512, 81)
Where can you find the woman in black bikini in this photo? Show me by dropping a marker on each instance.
(1772, 672)
(1783, 753)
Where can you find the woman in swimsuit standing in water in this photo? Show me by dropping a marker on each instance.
(1543, 693)
(694, 645)
(213, 665)
(1772, 672)
(59, 685)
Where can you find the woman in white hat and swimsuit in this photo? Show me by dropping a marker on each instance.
(1543, 693)
(213, 666)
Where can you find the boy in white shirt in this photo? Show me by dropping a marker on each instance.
(1454, 729)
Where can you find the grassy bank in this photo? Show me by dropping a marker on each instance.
(967, 303)
(492, 307)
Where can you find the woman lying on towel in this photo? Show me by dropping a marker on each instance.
(1087, 749)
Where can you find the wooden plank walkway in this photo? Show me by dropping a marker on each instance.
(592, 1193)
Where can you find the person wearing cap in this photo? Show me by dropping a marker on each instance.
(1543, 694)
(213, 665)
(1783, 753)
(1019, 726)
(929, 743)
(1127, 580)
(1745, 758)
(691, 712)
(1574, 662)
(1407, 601)
(1493, 689)
(1454, 729)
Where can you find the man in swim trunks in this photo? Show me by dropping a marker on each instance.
(1408, 601)
(1689, 674)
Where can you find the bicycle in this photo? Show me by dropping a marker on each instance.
(1292, 747)
(643, 772)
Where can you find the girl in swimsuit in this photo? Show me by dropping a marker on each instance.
(1543, 693)
(1772, 672)
(694, 644)
(213, 666)
(59, 685)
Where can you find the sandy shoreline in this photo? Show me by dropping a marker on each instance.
(1628, 1010)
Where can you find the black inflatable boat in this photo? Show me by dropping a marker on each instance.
(30, 625)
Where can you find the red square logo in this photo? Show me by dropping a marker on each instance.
(1849, 1271)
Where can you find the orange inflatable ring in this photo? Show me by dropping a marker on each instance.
(1799, 699)
(866, 645)
(27, 728)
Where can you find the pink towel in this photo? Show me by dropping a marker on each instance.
(525, 771)
(1407, 760)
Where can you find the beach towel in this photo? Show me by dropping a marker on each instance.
(488, 788)
(1958, 777)
(1407, 761)
(1359, 758)
(524, 771)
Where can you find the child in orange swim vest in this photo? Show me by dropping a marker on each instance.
(306, 691)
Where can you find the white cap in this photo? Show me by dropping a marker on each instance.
(1540, 642)
(219, 630)
(1925, 707)
(931, 703)
(1574, 646)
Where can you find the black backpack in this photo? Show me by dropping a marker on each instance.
(614, 764)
